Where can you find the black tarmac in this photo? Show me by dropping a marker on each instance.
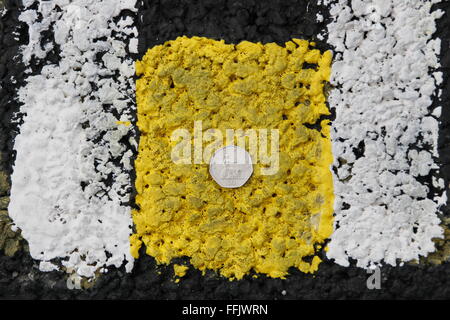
(234, 21)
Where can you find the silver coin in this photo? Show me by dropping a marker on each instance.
(231, 167)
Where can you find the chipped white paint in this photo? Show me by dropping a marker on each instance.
(383, 53)
(67, 143)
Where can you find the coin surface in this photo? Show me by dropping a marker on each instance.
(231, 167)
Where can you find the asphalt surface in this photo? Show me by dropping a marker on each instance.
(233, 21)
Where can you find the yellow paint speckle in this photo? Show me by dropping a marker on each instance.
(180, 270)
(273, 221)
(125, 123)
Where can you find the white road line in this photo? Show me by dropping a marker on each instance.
(384, 51)
(70, 137)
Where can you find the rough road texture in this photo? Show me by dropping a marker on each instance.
(233, 21)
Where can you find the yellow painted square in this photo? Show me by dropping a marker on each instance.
(271, 223)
